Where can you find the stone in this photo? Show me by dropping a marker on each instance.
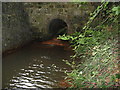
(33, 20)
(56, 10)
(15, 26)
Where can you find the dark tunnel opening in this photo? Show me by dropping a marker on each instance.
(57, 27)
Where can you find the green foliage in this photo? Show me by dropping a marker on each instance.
(79, 1)
(64, 37)
(95, 46)
(95, 70)
(118, 76)
(116, 10)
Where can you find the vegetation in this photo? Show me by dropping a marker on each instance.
(96, 50)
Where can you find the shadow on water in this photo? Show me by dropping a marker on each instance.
(38, 65)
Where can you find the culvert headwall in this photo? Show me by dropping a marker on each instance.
(42, 14)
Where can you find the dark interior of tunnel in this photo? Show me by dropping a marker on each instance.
(57, 27)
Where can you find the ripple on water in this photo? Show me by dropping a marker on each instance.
(38, 67)
(39, 73)
(34, 76)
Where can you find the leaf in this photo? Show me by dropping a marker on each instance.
(94, 53)
(63, 37)
(116, 10)
(73, 62)
(81, 41)
(118, 76)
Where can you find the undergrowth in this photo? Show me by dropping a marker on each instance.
(97, 48)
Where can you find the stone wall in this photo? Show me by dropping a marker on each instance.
(15, 26)
(41, 15)
(23, 22)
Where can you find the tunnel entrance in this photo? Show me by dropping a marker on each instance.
(57, 27)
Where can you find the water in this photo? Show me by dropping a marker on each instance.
(35, 66)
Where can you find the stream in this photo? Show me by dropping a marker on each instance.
(38, 65)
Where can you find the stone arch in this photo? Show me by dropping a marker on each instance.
(41, 18)
(57, 27)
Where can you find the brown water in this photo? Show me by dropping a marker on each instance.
(35, 66)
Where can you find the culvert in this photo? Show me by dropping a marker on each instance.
(57, 27)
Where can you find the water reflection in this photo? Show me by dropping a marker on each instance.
(34, 67)
(37, 75)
